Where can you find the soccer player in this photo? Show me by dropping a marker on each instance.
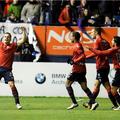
(7, 50)
(78, 72)
(115, 53)
(102, 66)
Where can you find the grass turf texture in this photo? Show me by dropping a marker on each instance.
(54, 108)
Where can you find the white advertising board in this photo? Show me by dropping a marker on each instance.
(46, 79)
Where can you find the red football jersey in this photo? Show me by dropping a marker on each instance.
(114, 52)
(116, 59)
(7, 54)
(102, 62)
(78, 58)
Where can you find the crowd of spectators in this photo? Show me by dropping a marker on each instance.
(61, 12)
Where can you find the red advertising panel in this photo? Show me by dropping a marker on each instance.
(58, 42)
(54, 40)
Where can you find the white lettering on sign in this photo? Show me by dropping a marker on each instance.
(57, 37)
(65, 36)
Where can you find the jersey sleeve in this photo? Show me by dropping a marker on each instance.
(105, 52)
(91, 55)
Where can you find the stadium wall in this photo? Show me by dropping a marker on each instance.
(53, 40)
(47, 79)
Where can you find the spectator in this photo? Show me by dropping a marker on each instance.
(106, 12)
(26, 51)
(6, 7)
(68, 15)
(83, 18)
(116, 13)
(31, 12)
(54, 12)
(15, 9)
(11, 18)
(81, 8)
(73, 12)
(95, 19)
(1, 11)
(108, 21)
(45, 17)
(64, 17)
(56, 7)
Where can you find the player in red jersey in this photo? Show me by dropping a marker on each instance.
(115, 53)
(7, 50)
(102, 66)
(78, 72)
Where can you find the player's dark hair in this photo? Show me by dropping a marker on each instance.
(76, 35)
(98, 30)
(8, 34)
(117, 40)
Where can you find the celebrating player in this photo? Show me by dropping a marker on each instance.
(115, 53)
(78, 72)
(7, 50)
(102, 66)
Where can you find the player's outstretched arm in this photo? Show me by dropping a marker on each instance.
(104, 52)
(23, 38)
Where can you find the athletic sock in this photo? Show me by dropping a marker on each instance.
(112, 98)
(15, 95)
(71, 94)
(95, 93)
(117, 97)
(90, 95)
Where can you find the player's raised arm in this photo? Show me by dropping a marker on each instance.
(23, 38)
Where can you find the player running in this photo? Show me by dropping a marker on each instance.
(78, 73)
(7, 50)
(102, 66)
(115, 53)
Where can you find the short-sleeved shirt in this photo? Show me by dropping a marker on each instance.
(7, 55)
(78, 58)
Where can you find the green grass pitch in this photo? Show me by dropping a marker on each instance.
(54, 108)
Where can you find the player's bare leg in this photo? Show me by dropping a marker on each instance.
(110, 95)
(116, 95)
(15, 94)
(95, 93)
(92, 105)
(96, 89)
(71, 94)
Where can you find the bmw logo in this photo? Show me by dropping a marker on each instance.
(40, 78)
